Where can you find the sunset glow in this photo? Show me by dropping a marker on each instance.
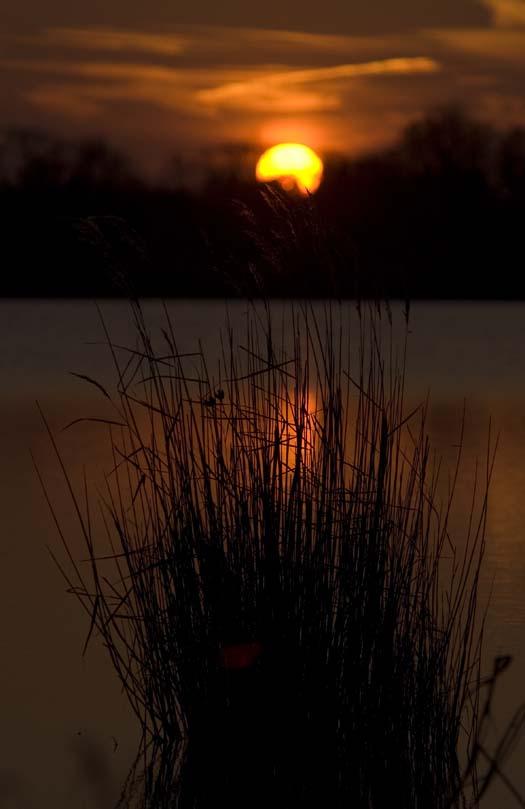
(293, 165)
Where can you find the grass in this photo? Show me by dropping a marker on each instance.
(278, 589)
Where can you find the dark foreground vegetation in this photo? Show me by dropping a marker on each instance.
(274, 578)
(438, 215)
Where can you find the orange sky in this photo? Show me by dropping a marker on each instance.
(186, 87)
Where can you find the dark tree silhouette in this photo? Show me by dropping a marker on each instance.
(437, 215)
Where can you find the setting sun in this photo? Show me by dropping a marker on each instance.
(293, 165)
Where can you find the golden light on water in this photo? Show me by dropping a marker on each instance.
(293, 165)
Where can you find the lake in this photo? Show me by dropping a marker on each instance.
(68, 736)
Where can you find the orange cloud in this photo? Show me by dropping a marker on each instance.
(506, 13)
(257, 83)
(202, 91)
(107, 39)
(506, 46)
(210, 41)
(270, 87)
(63, 100)
(187, 69)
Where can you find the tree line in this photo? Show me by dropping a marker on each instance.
(437, 214)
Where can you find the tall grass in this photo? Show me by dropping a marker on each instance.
(278, 589)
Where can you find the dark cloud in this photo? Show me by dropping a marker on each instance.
(337, 16)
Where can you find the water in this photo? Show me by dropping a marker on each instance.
(67, 734)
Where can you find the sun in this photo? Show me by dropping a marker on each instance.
(293, 165)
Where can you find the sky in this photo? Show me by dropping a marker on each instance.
(177, 79)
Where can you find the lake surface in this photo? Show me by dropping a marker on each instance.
(67, 735)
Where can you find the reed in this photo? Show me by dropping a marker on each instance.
(280, 594)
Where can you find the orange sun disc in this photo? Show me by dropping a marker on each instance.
(293, 165)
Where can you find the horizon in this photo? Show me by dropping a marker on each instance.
(193, 168)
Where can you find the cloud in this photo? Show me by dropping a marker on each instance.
(278, 87)
(188, 38)
(203, 70)
(227, 45)
(191, 85)
(506, 46)
(107, 39)
(336, 17)
(207, 90)
(66, 102)
(506, 13)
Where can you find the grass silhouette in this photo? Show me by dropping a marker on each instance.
(280, 594)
